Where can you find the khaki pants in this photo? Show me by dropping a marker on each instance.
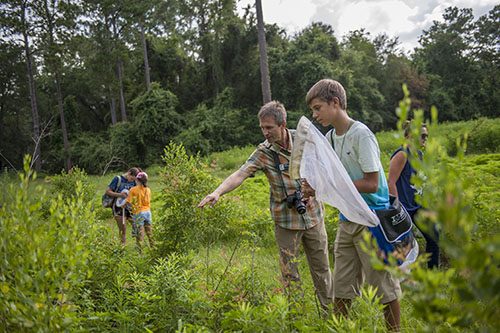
(352, 266)
(315, 243)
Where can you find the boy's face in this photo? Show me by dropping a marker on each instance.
(271, 130)
(130, 177)
(324, 112)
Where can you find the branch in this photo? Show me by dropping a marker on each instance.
(38, 140)
(5, 158)
(110, 162)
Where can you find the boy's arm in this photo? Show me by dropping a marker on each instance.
(367, 184)
(111, 192)
(395, 168)
(229, 184)
(369, 160)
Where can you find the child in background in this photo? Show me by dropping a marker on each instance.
(140, 199)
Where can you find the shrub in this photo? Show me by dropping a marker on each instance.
(44, 257)
(92, 152)
(465, 295)
(155, 121)
(124, 145)
(183, 226)
(484, 137)
(66, 184)
(216, 128)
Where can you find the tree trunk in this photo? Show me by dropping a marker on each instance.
(119, 73)
(112, 106)
(33, 100)
(67, 155)
(264, 68)
(147, 76)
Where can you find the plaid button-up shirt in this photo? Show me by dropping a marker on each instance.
(288, 218)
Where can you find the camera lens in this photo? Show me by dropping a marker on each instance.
(301, 208)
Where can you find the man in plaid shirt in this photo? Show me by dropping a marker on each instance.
(291, 227)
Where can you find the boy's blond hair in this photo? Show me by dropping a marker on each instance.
(326, 90)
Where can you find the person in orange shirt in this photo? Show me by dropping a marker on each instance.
(139, 198)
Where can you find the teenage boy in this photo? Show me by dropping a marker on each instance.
(359, 153)
(293, 226)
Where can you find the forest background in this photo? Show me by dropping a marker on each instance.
(94, 86)
(107, 84)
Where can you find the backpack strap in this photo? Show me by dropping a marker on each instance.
(118, 183)
(280, 168)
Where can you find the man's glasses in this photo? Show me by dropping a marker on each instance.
(424, 136)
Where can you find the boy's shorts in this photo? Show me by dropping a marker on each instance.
(352, 266)
(143, 218)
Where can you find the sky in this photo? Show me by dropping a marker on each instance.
(405, 19)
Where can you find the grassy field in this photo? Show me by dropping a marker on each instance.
(216, 270)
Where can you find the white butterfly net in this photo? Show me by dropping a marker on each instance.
(314, 159)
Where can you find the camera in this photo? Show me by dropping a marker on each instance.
(295, 200)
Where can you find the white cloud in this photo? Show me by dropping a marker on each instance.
(403, 18)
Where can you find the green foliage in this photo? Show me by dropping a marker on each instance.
(93, 152)
(365, 315)
(474, 272)
(271, 317)
(125, 147)
(228, 160)
(156, 121)
(44, 257)
(72, 184)
(182, 226)
(134, 300)
(217, 128)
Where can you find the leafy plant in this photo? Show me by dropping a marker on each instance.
(465, 295)
(43, 256)
(182, 225)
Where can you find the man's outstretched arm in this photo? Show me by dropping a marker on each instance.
(229, 184)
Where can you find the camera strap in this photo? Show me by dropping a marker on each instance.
(280, 167)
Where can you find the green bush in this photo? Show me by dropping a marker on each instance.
(44, 256)
(92, 152)
(124, 145)
(66, 184)
(181, 225)
(216, 128)
(155, 121)
(483, 137)
(465, 295)
(134, 300)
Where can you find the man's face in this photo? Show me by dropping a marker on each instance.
(323, 112)
(423, 136)
(273, 132)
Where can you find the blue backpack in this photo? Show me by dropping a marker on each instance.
(107, 201)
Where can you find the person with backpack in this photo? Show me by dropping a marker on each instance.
(400, 185)
(139, 198)
(118, 188)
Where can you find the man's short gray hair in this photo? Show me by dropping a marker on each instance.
(273, 109)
